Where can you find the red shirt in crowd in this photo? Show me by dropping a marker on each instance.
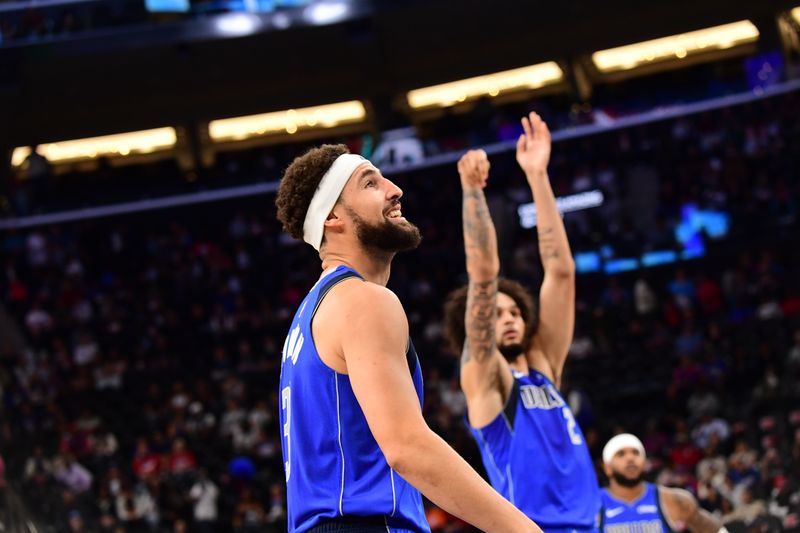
(146, 465)
(181, 461)
(685, 455)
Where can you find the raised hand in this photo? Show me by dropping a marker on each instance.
(473, 168)
(533, 146)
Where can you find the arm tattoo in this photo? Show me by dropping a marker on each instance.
(479, 321)
(697, 519)
(548, 247)
(701, 521)
(477, 225)
(480, 245)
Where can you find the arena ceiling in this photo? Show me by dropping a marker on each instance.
(176, 74)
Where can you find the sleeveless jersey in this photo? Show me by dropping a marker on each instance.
(536, 457)
(641, 516)
(334, 468)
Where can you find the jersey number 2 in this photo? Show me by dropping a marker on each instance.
(286, 405)
(572, 426)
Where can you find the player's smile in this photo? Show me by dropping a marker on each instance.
(395, 213)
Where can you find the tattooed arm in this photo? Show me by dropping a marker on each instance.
(548, 350)
(681, 508)
(483, 263)
(480, 362)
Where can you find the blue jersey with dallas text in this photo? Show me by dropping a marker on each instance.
(334, 468)
(641, 516)
(536, 456)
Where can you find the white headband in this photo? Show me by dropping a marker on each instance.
(620, 442)
(328, 191)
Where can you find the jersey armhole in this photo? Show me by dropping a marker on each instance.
(664, 516)
(411, 356)
(509, 411)
(411, 353)
(326, 287)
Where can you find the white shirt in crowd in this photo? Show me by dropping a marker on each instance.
(204, 493)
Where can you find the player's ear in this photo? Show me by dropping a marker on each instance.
(335, 221)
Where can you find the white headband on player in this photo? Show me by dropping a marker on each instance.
(620, 442)
(328, 191)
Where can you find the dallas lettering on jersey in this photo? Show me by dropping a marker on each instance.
(650, 526)
(540, 397)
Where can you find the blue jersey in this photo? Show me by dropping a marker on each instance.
(536, 456)
(641, 516)
(334, 468)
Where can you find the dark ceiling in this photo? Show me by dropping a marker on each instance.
(157, 76)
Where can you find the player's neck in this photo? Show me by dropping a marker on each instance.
(374, 268)
(520, 364)
(627, 494)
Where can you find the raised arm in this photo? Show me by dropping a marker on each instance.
(480, 364)
(549, 348)
(374, 342)
(682, 508)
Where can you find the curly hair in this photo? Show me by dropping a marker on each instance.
(455, 309)
(299, 183)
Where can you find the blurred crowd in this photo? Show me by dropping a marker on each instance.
(140, 394)
(33, 22)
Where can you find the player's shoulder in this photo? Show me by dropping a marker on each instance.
(354, 289)
(357, 297)
(680, 500)
(674, 492)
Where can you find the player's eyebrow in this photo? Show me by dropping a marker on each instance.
(368, 172)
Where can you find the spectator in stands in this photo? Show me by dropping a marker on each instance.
(249, 516)
(76, 523)
(204, 493)
(145, 462)
(747, 511)
(131, 510)
(180, 462)
(72, 474)
(276, 514)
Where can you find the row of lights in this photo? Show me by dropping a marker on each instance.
(121, 144)
(447, 94)
(675, 46)
(318, 117)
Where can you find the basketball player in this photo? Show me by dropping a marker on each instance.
(512, 356)
(356, 449)
(630, 505)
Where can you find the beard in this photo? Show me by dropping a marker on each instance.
(625, 481)
(386, 236)
(511, 351)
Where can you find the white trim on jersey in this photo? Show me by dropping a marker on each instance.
(341, 448)
(394, 498)
(508, 422)
(491, 455)
(510, 485)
